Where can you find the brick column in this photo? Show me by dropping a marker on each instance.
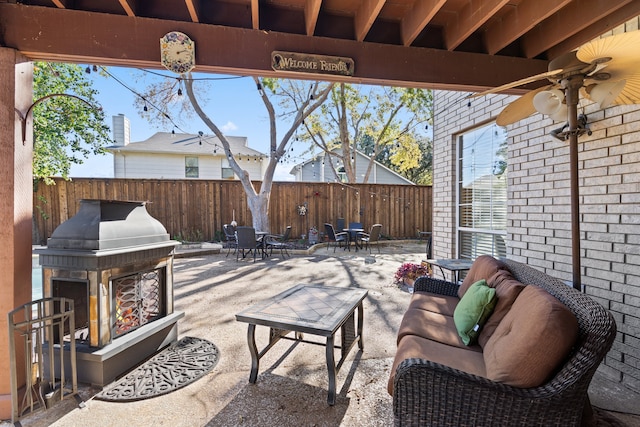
(16, 189)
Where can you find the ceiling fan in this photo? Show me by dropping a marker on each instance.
(606, 71)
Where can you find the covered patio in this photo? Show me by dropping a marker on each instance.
(292, 383)
(449, 45)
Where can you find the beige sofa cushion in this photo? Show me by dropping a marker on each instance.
(483, 267)
(531, 341)
(443, 304)
(433, 326)
(507, 289)
(412, 346)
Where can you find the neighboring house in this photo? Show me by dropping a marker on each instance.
(177, 156)
(318, 169)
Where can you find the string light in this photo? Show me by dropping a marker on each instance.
(145, 108)
(179, 92)
(192, 78)
(452, 103)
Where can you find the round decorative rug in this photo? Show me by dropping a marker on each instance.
(172, 368)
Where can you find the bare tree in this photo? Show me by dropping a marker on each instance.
(301, 101)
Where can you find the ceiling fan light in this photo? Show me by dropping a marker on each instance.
(605, 93)
(548, 101)
(561, 114)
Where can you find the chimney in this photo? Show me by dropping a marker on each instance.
(121, 130)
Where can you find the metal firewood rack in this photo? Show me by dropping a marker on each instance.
(40, 332)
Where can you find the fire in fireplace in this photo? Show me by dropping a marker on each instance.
(137, 300)
(116, 262)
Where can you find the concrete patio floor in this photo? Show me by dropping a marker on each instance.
(292, 384)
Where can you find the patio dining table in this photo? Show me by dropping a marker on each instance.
(352, 234)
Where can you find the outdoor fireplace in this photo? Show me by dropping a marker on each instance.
(116, 262)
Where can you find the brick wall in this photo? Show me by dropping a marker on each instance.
(538, 230)
(454, 113)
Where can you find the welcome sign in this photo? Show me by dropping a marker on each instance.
(314, 64)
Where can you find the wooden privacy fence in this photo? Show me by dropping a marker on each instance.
(190, 208)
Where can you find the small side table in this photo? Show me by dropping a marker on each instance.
(455, 266)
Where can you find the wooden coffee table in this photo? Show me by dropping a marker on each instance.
(309, 309)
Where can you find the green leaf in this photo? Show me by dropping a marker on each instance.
(66, 130)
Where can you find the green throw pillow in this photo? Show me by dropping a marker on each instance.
(473, 310)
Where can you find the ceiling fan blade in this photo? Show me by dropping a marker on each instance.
(619, 51)
(519, 109)
(631, 92)
(519, 83)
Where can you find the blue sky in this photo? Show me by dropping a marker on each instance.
(232, 103)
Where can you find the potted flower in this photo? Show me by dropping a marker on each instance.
(408, 272)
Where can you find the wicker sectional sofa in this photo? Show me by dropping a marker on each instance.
(531, 364)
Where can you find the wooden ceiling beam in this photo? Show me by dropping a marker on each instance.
(365, 17)
(518, 21)
(568, 21)
(471, 17)
(108, 39)
(311, 12)
(129, 7)
(62, 4)
(255, 15)
(193, 6)
(617, 17)
(420, 15)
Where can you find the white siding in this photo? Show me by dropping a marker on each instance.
(171, 166)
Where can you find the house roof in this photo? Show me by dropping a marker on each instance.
(448, 44)
(359, 153)
(184, 143)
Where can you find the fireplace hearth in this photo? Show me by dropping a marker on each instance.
(116, 262)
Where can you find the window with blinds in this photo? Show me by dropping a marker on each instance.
(191, 169)
(482, 192)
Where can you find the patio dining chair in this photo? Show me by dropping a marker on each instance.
(336, 238)
(246, 241)
(372, 237)
(278, 241)
(230, 238)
